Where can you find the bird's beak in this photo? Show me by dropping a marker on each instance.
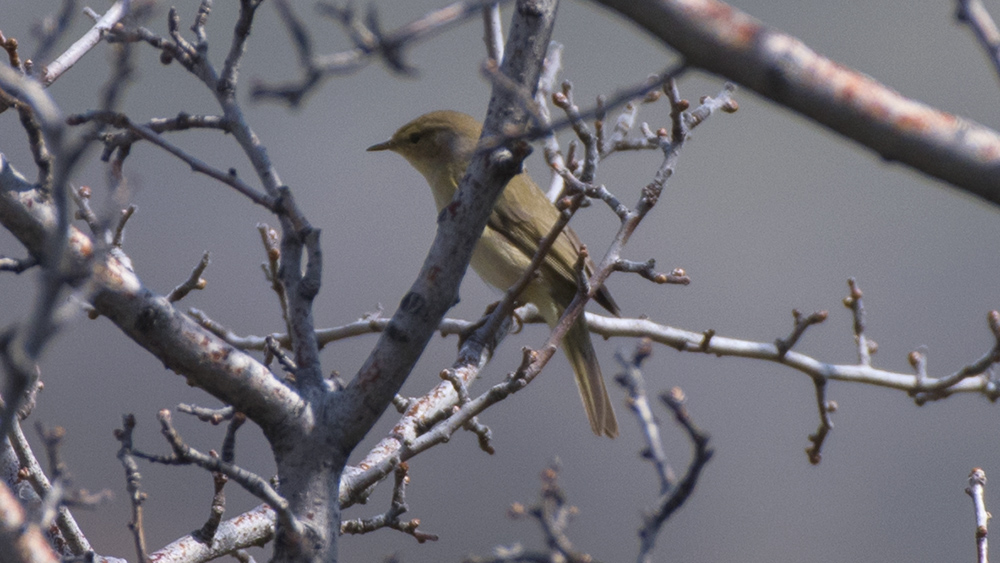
(386, 146)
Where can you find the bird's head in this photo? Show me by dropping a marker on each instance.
(440, 142)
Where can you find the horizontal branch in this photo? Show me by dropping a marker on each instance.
(709, 343)
(971, 380)
(409, 437)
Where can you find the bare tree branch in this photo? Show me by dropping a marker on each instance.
(723, 40)
(147, 318)
(21, 541)
(70, 531)
(370, 42)
(436, 286)
(64, 62)
(974, 14)
(977, 490)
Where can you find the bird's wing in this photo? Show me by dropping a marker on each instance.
(514, 223)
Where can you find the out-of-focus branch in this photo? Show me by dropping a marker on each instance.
(974, 14)
(667, 504)
(370, 42)
(493, 32)
(716, 37)
(33, 474)
(553, 514)
(21, 541)
(21, 347)
(50, 30)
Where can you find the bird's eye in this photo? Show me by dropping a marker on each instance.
(414, 138)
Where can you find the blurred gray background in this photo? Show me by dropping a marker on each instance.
(767, 212)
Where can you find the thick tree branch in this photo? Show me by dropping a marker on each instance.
(436, 287)
(723, 40)
(149, 319)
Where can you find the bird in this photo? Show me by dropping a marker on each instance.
(440, 146)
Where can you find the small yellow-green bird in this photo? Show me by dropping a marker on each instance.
(440, 146)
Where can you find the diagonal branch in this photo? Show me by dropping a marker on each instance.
(723, 40)
(64, 62)
(436, 286)
(974, 14)
(149, 319)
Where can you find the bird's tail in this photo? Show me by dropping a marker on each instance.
(580, 352)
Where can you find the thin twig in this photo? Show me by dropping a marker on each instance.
(799, 328)
(391, 517)
(977, 490)
(866, 347)
(632, 381)
(974, 14)
(194, 281)
(213, 416)
(669, 503)
(229, 178)
(69, 530)
(254, 484)
(826, 408)
(133, 480)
